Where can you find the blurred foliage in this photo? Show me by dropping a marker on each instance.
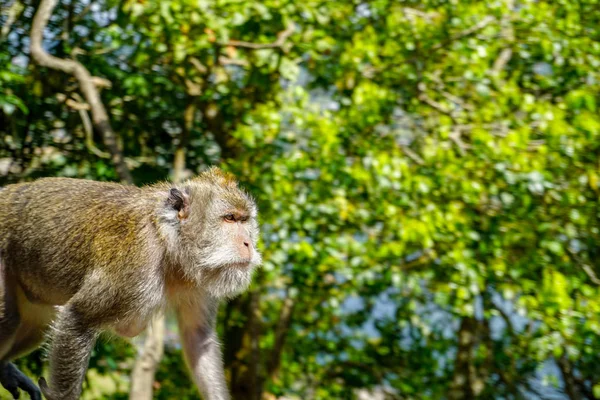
(427, 174)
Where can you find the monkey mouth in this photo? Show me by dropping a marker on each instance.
(239, 264)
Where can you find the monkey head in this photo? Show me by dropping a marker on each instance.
(211, 231)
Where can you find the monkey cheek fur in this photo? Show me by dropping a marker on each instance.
(233, 278)
(220, 270)
(229, 281)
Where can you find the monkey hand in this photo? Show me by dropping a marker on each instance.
(48, 393)
(12, 379)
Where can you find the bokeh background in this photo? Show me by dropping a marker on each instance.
(427, 174)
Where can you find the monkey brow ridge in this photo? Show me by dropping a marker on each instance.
(218, 177)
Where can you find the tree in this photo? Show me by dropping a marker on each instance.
(426, 172)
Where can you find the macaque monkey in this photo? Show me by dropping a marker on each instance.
(79, 257)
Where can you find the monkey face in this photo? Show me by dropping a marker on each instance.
(229, 231)
(215, 233)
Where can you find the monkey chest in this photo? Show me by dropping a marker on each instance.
(130, 328)
(133, 324)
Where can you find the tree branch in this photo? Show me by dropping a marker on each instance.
(179, 171)
(467, 32)
(463, 385)
(413, 12)
(509, 325)
(590, 273)
(456, 138)
(283, 326)
(424, 97)
(508, 33)
(198, 65)
(83, 108)
(142, 376)
(412, 155)
(586, 268)
(232, 61)
(146, 364)
(83, 12)
(86, 85)
(566, 370)
(281, 38)
(13, 14)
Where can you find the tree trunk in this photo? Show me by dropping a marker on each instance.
(13, 14)
(86, 85)
(244, 351)
(144, 370)
(283, 326)
(461, 387)
(575, 388)
(142, 376)
(180, 152)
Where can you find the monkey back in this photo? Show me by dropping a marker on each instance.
(61, 231)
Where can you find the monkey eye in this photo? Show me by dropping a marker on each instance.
(229, 218)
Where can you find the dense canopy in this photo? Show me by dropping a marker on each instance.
(427, 174)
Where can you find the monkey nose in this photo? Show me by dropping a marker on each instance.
(246, 250)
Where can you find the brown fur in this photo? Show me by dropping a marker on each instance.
(112, 255)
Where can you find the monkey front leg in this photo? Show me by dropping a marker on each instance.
(72, 342)
(10, 319)
(202, 349)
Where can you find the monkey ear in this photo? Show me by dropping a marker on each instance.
(180, 201)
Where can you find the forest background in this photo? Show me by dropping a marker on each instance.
(427, 174)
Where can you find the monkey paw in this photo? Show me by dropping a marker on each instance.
(12, 379)
(49, 394)
(46, 390)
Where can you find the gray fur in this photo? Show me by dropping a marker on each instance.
(104, 256)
